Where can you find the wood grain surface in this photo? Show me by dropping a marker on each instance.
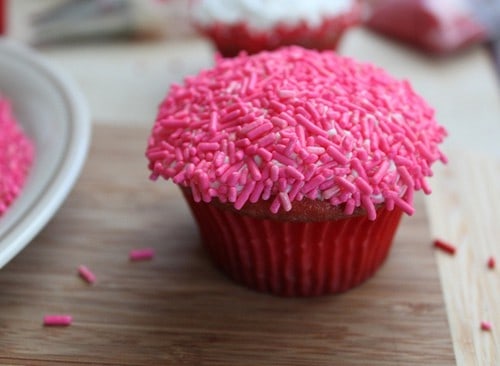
(464, 211)
(177, 309)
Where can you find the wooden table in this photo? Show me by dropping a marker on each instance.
(177, 309)
(423, 307)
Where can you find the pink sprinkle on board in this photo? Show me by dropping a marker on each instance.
(486, 326)
(491, 262)
(142, 254)
(61, 320)
(86, 274)
(444, 246)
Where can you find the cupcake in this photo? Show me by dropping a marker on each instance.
(256, 25)
(297, 165)
(16, 156)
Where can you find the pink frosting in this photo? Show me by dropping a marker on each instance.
(16, 157)
(296, 123)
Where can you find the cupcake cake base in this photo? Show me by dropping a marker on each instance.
(295, 258)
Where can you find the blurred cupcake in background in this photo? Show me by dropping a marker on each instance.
(256, 25)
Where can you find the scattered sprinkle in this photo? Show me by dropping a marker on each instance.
(86, 274)
(444, 246)
(486, 326)
(491, 262)
(141, 254)
(57, 320)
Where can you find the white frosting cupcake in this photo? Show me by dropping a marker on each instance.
(255, 25)
(265, 14)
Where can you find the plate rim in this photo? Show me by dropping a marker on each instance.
(44, 206)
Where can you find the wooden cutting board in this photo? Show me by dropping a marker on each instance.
(177, 309)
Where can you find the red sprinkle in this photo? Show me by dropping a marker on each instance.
(141, 254)
(86, 274)
(491, 262)
(57, 320)
(444, 246)
(486, 326)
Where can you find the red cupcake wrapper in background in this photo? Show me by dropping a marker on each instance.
(295, 258)
(230, 39)
(3, 17)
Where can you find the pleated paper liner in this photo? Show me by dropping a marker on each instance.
(295, 258)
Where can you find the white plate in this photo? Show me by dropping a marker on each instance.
(55, 116)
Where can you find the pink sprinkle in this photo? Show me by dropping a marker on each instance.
(363, 186)
(290, 146)
(405, 175)
(310, 126)
(173, 123)
(245, 195)
(253, 80)
(265, 154)
(349, 207)
(233, 179)
(486, 326)
(257, 192)
(295, 190)
(294, 173)
(301, 134)
(302, 111)
(280, 107)
(213, 121)
(254, 169)
(313, 183)
(232, 194)
(266, 140)
(346, 184)
(141, 254)
(370, 207)
(336, 154)
(285, 160)
(312, 110)
(404, 205)
(260, 130)
(279, 122)
(16, 156)
(86, 274)
(491, 262)
(275, 205)
(316, 150)
(57, 320)
(377, 177)
(286, 93)
(208, 146)
(231, 116)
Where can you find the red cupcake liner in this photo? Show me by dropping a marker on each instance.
(3, 17)
(230, 39)
(295, 258)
